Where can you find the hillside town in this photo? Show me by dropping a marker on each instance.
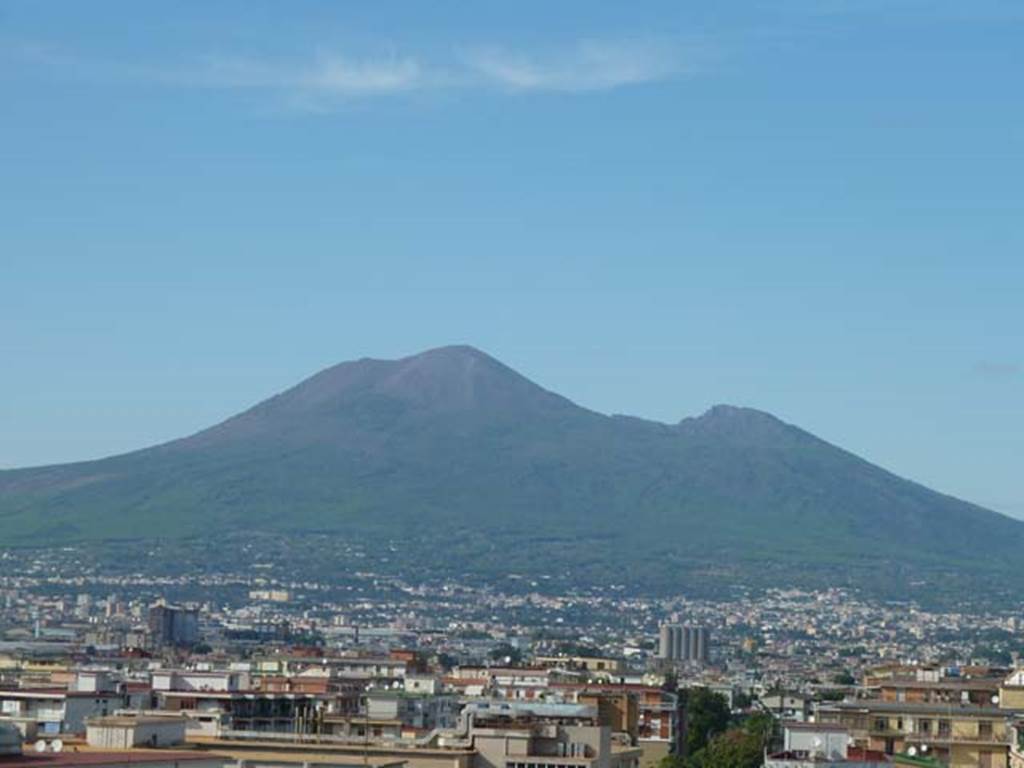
(255, 670)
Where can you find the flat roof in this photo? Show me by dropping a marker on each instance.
(974, 683)
(240, 694)
(830, 727)
(936, 708)
(312, 758)
(309, 744)
(113, 757)
(127, 720)
(54, 693)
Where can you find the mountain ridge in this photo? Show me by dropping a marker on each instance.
(453, 439)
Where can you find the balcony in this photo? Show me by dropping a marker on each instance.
(957, 738)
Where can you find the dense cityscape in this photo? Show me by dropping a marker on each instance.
(252, 667)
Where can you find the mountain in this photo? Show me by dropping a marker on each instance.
(451, 446)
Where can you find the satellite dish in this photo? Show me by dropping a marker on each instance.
(817, 742)
(924, 748)
(40, 745)
(995, 698)
(912, 751)
(56, 745)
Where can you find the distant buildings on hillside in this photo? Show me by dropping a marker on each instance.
(173, 625)
(684, 643)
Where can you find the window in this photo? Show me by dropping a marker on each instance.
(881, 724)
(944, 728)
(924, 726)
(985, 729)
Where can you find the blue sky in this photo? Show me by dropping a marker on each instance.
(813, 207)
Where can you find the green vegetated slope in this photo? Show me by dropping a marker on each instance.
(453, 440)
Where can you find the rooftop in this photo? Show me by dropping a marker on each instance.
(86, 757)
(895, 707)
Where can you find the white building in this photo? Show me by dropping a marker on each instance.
(127, 731)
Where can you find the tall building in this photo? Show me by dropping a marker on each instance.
(173, 625)
(684, 643)
(669, 641)
(699, 648)
(666, 648)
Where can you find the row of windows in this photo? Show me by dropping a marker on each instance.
(925, 726)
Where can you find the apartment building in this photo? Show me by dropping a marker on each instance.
(815, 745)
(1017, 743)
(1011, 691)
(393, 715)
(974, 690)
(52, 711)
(551, 746)
(654, 717)
(248, 711)
(600, 666)
(361, 668)
(957, 735)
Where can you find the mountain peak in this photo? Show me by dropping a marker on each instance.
(442, 381)
(457, 377)
(724, 416)
(453, 352)
(724, 411)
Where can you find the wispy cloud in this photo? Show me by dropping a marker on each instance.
(327, 73)
(329, 77)
(586, 66)
(580, 67)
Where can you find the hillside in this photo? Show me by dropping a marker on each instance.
(451, 442)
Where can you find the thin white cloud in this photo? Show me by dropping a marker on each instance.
(587, 66)
(327, 74)
(325, 79)
(581, 67)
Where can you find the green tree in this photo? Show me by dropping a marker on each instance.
(673, 761)
(738, 747)
(707, 714)
(733, 749)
